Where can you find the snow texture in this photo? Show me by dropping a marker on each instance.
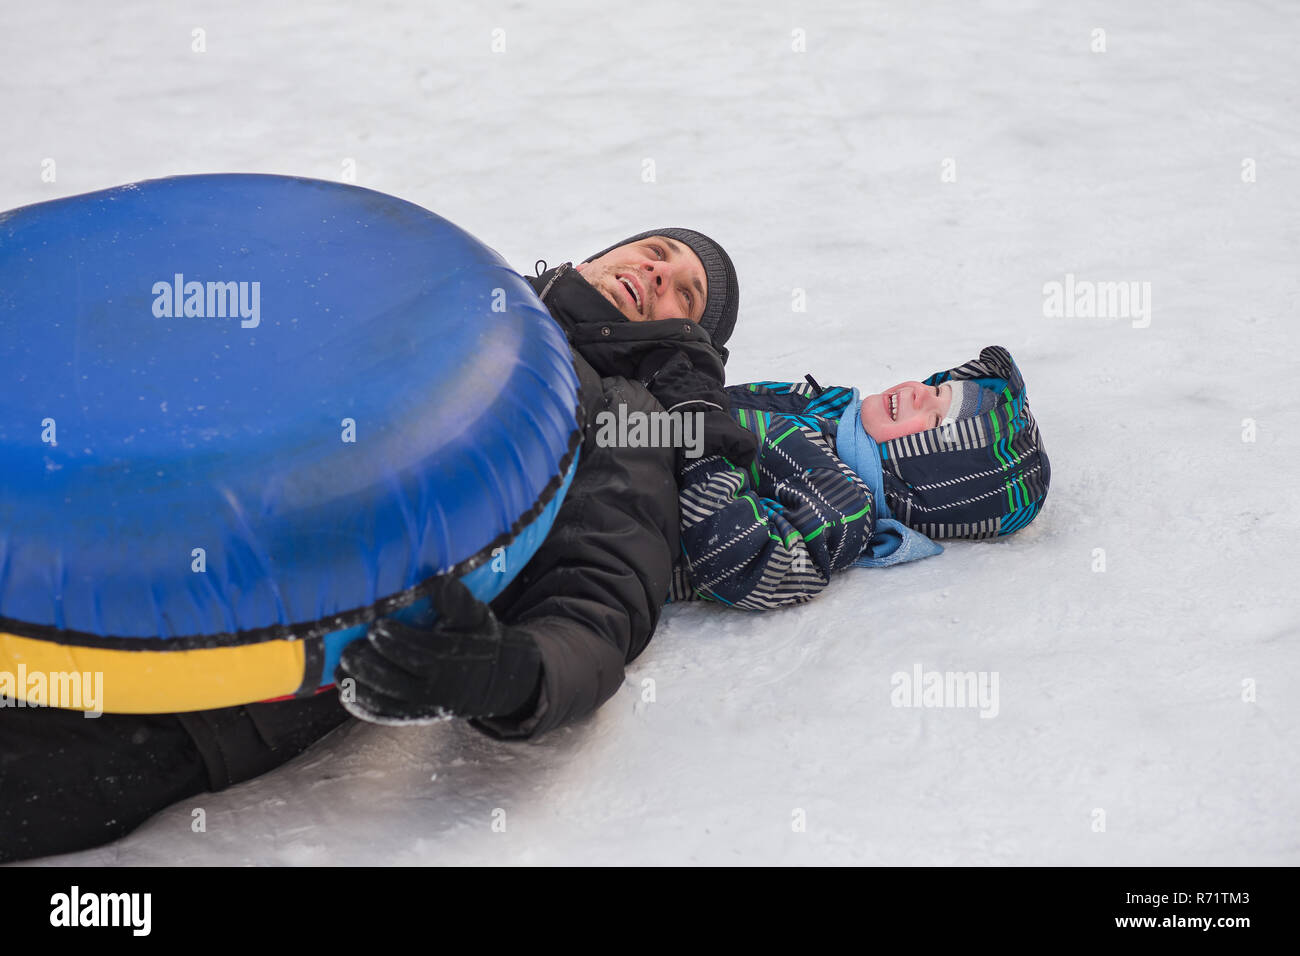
(1119, 690)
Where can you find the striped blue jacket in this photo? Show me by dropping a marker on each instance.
(773, 533)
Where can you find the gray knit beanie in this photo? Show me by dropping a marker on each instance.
(724, 291)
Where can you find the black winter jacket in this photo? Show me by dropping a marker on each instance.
(591, 595)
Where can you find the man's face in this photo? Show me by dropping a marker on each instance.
(652, 278)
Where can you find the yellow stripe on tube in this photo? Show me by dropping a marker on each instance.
(148, 682)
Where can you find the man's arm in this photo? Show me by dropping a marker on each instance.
(591, 596)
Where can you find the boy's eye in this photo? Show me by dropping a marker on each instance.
(936, 391)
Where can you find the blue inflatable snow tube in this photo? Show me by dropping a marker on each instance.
(242, 416)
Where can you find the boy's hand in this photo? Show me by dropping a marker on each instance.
(467, 665)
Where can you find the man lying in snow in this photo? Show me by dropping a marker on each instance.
(551, 648)
(589, 600)
(843, 481)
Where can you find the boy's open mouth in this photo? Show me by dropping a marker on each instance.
(891, 406)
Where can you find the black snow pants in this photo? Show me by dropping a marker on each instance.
(69, 782)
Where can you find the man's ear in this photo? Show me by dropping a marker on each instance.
(580, 266)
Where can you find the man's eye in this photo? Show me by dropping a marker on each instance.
(658, 251)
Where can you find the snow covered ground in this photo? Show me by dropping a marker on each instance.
(1119, 690)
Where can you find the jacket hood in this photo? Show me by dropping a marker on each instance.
(977, 477)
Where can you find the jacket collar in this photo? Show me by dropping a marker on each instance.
(607, 339)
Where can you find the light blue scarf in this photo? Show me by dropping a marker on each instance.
(893, 542)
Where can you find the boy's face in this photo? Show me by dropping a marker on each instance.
(905, 409)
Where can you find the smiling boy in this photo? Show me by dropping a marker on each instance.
(842, 480)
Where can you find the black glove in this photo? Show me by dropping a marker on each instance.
(679, 384)
(467, 665)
